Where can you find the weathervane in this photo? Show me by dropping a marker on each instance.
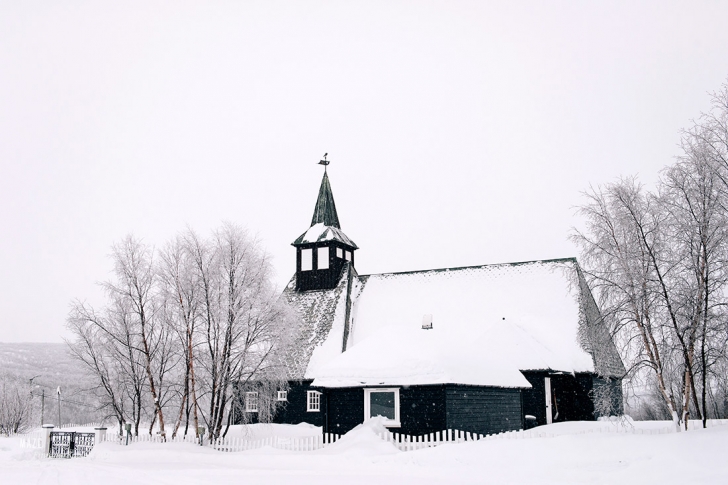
(324, 162)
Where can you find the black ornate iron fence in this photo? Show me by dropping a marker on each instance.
(69, 444)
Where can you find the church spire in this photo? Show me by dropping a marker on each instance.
(325, 211)
(323, 251)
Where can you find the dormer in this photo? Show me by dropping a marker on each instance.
(324, 249)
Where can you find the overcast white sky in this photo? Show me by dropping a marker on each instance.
(460, 133)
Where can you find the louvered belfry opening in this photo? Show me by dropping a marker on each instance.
(323, 250)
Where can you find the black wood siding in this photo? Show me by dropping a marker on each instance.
(483, 410)
(321, 279)
(534, 399)
(294, 410)
(431, 408)
(345, 409)
(572, 396)
(423, 409)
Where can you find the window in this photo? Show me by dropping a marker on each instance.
(306, 259)
(348, 255)
(339, 253)
(313, 401)
(251, 402)
(323, 258)
(382, 402)
(282, 396)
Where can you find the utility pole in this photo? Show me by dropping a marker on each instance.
(42, 399)
(42, 407)
(59, 406)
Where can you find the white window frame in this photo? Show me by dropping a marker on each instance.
(282, 396)
(313, 401)
(322, 256)
(390, 423)
(307, 259)
(339, 253)
(251, 402)
(347, 255)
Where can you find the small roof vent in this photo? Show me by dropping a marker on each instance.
(427, 322)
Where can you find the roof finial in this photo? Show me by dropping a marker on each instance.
(324, 162)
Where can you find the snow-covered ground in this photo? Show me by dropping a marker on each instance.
(575, 453)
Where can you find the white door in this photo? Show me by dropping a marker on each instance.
(549, 414)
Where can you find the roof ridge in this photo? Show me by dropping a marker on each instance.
(460, 268)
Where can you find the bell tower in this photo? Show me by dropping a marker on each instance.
(323, 250)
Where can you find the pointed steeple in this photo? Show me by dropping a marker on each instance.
(325, 224)
(325, 211)
(323, 251)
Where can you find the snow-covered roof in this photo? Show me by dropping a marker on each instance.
(489, 323)
(320, 232)
(325, 224)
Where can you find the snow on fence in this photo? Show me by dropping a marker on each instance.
(75, 425)
(300, 443)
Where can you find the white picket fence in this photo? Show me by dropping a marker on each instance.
(301, 443)
(76, 425)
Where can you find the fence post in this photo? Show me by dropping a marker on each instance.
(47, 428)
(100, 433)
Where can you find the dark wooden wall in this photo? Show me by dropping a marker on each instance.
(423, 409)
(571, 393)
(345, 409)
(534, 399)
(321, 279)
(477, 409)
(294, 410)
(484, 410)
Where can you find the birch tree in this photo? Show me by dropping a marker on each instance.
(246, 325)
(186, 329)
(619, 249)
(181, 292)
(134, 286)
(693, 197)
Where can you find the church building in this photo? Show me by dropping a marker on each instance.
(483, 349)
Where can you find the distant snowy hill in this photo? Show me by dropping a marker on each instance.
(51, 362)
(51, 366)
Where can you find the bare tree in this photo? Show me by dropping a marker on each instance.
(246, 325)
(693, 197)
(180, 290)
(186, 331)
(133, 266)
(658, 261)
(16, 407)
(91, 347)
(620, 249)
